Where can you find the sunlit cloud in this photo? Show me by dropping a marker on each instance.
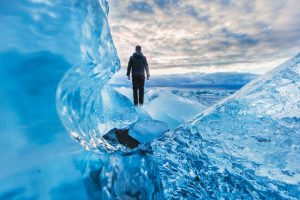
(180, 36)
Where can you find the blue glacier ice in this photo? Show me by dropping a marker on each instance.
(145, 131)
(88, 107)
(244, 147)
(172, 109)
(40, 42)
(160, 103)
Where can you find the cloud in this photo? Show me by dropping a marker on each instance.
(198, 34)
(242, 38)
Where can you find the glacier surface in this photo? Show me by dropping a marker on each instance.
(160, 103)
(246, 146)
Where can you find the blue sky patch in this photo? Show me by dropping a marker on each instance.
(141, 6)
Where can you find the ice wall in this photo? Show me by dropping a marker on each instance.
(63, 34)
(246, 146)
(88, 107)
(40, 41)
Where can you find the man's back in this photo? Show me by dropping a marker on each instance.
(138, 64)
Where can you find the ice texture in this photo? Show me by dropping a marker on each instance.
(146, 131)
(88, 107)
(40, 41)
(246, 146)
(77, 33)
(172, 109)
(162, 111)
(116, 176)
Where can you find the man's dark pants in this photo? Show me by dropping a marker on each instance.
(138, 82)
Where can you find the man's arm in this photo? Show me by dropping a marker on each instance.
(129, 68)
(147, 68)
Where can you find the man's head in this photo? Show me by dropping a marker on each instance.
(138, 48)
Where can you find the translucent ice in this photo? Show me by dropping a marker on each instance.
(40, 41)
(246, 146)
(164, 106)
(77, 34)
(173, 109)
(115, 176)
(147, 130)
(87, 106)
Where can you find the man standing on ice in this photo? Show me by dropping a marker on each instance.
(138, 65)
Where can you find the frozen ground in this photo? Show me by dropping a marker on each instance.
(205, 96)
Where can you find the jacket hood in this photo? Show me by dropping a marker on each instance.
(138, 54)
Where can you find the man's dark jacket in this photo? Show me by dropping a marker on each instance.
(138, 64)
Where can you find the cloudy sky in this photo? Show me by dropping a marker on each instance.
(207, 36)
